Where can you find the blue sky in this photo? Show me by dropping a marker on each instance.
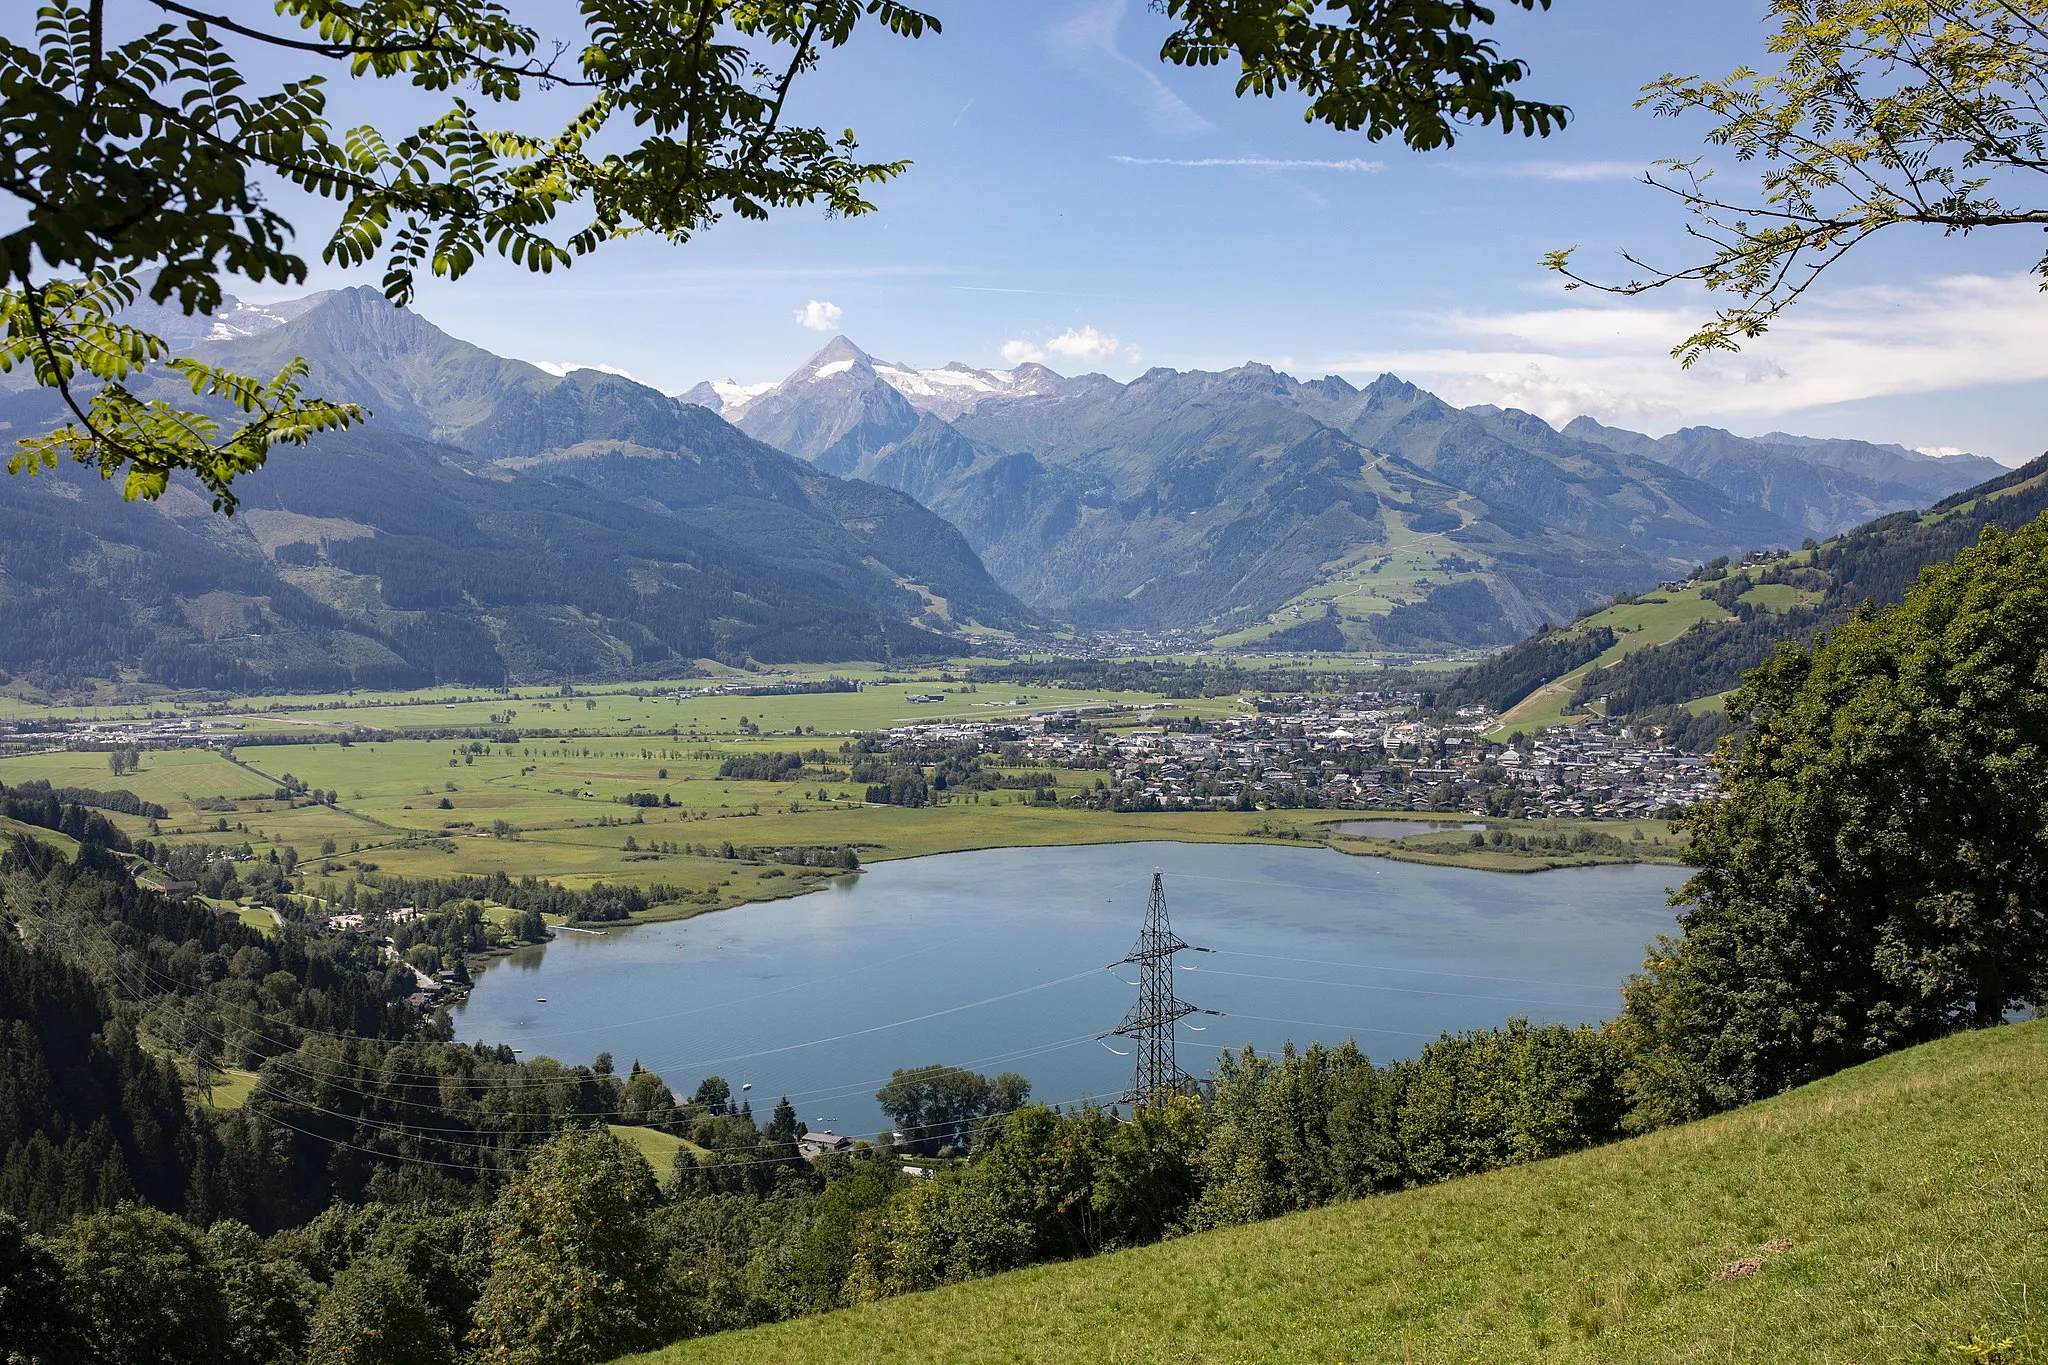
(1075, 199)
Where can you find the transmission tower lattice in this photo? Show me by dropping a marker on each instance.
(1150, 1024)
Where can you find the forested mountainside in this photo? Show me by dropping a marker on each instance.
(492, 523)
(1876, 563)
(1316, 515)
(1753, 609)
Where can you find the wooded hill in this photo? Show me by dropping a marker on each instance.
(1664, 656)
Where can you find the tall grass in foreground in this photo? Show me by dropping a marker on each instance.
(1894, 1212)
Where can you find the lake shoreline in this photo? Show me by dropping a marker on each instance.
(993, 959)
(1322, 833)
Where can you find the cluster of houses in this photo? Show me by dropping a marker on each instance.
(1365, 751)
(183, 732)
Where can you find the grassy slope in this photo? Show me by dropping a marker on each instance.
(1657, 619)
(1643, 625)
(1914, 1192)
(658, 1147)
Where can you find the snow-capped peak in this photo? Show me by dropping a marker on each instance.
(726, 397)
(953, 389)
(945, 392)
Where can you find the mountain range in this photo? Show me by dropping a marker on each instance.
(498, 521)
(492, 522)
(1313, 513)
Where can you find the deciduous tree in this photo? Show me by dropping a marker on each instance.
(1881, 114)
(575, 1274)
(1874, 872)
(140, 156)
(376, 1315)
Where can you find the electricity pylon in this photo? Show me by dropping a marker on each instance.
(1150, 1024)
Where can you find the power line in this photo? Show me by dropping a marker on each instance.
(1399, 990)
(1417, 971)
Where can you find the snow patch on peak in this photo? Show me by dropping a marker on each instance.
(954, 388)
(830, 368)
(734, 392)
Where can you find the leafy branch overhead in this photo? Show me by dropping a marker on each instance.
(1412, 67)
(139, 160)
(1883, 113)
(150, 155)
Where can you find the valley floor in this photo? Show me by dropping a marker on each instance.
(554, 804)
(1894, 1212)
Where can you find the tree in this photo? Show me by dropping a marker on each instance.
(36, 1327)
(1412, 67)
(714, 1094)
(267, 1298)
(1873, 871)
(139, 159)
(1149, 1173)
(783, 1126)
(825, 1257)
(938, 1106)
(1883, 113)
(143, 1290)
(575, 1274)
(376, 1315)
(646, 1100)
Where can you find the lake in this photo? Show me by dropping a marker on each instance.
(995, 960)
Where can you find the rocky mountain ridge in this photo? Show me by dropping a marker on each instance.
(1232, 501)
(492, 523)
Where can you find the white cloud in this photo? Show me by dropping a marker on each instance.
(818, 315)
(1939, 452)
(1084, 344)
(1262, 163)
(1612, 361)
(1572, 171)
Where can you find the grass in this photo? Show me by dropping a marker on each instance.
(1372, 580)
(552, 807)
(231, 1088)
(1657, 619)
(1650, 841)
(618, 712)
(556, 798)
(1907, 1200)
(658, 1147)
(63, 843)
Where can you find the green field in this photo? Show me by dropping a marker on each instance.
(231, 1089)
(1656, 619)
(1896, 1212)
(658, 1147)
(561, 823)
(552, 806)
(1649, 841)
(1372, 580)
(615, 711)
